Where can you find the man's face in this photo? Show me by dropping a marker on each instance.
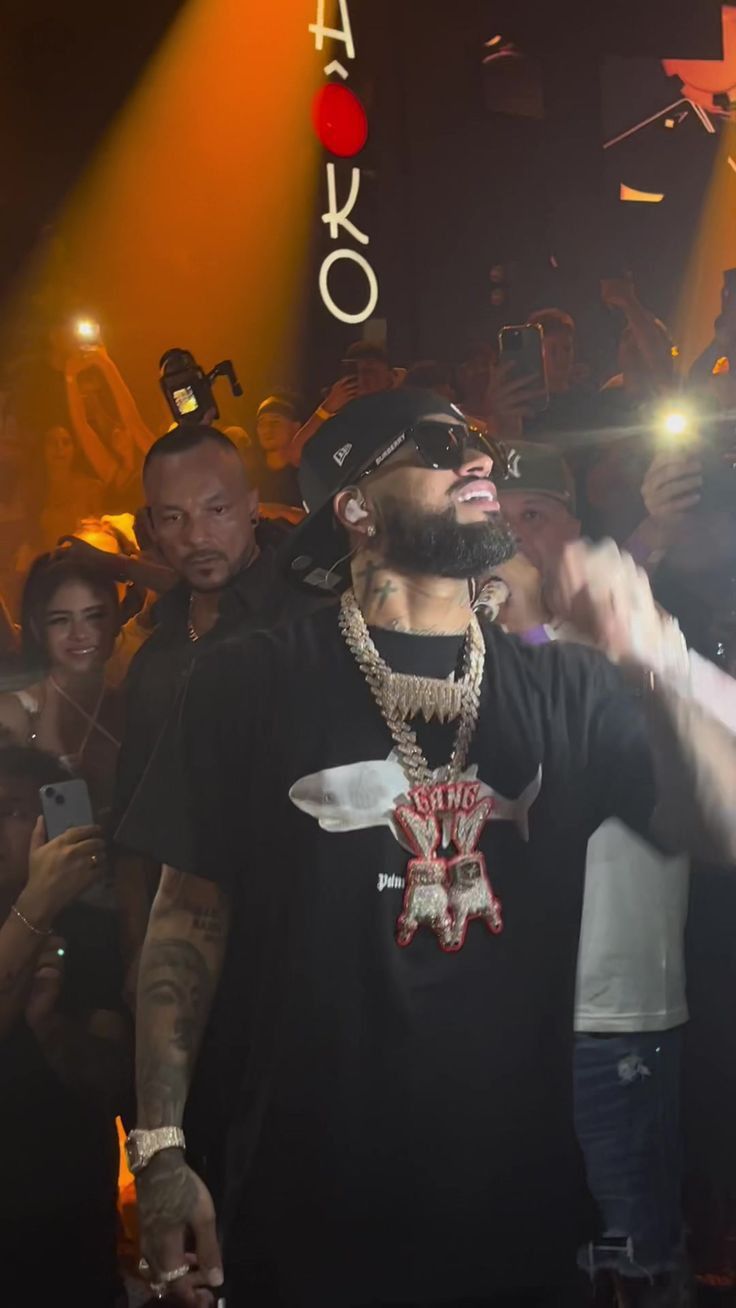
(437, 523)
(202, 514)
(541, 524)
(559, 357)
(275, 431)
(373, 375)
(19, 808)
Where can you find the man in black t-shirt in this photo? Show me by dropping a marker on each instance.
(377, 830)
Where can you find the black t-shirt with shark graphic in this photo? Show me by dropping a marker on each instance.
(400, 1117)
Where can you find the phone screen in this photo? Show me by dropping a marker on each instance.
(185, 400)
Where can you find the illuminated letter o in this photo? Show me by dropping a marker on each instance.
(324, 289)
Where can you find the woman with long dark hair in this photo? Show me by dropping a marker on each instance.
(70, 620)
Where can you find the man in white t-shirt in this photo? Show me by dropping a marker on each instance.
(631, 998)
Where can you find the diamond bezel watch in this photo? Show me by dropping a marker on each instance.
(142, 1146)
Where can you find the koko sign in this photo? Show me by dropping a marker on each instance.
(341, 125)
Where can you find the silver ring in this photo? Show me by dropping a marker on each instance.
(94, 860)
(166, 1278)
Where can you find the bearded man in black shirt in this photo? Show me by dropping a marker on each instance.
(377, 843)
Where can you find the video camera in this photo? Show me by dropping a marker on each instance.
(188, 388)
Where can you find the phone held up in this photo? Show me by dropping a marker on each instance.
(66, 804)
(522, 347)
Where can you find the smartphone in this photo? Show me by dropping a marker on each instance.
(719, 482)
(522, 346)
(66, 804)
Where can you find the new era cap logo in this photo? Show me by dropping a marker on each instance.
(512, 464)
(340, 455)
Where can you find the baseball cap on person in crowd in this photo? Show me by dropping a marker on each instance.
(368, 350)
(362, 434)
(286, 404)
(538, 470)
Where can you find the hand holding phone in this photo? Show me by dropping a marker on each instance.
(521, 349)
(341, 393)
(67, 854)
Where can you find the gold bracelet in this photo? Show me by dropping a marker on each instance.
(36, 930)
(323, 413)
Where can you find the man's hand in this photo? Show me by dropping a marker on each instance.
(671, 486)
(343, 391)
(609, 601)
(59, 871)
(509, 400)
(46, 983)
(172, 1202)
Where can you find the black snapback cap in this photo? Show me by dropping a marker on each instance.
(333, 459)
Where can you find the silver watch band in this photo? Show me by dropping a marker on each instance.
(142, 1146)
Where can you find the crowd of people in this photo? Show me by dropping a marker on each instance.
(401, 897)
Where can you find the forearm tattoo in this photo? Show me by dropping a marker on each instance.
(175, 991)
(176, 985)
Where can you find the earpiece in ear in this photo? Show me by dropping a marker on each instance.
(355, 511)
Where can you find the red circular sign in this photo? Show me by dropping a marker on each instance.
(339, 120)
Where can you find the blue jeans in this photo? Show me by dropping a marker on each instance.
(627, 1117)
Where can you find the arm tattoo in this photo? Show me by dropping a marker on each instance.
(175, 991)
(206, 920)
(167, 1192)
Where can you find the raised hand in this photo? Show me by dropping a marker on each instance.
(509, 400)
(341, 393)
(672, 485)
(609, 601)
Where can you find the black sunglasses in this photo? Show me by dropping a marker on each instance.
(442, 447)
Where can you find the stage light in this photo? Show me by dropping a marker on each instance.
(222, 266)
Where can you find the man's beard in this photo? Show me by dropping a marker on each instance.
(420, 542)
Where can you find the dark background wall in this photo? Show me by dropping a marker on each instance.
(453, 188)
(449, 187)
